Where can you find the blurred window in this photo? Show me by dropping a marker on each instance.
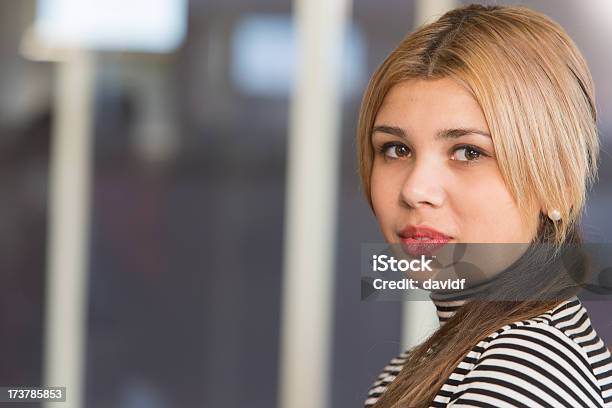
(263, 56)
(133, 25)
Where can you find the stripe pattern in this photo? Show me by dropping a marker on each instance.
(555, 359)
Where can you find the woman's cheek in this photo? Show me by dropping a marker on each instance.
(385, 209)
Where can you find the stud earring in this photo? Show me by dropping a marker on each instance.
(554, 215)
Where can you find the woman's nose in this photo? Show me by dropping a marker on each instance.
(423, 185)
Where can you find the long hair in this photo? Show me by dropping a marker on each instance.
(537, 96)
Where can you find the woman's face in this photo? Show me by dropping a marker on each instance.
(435, 168)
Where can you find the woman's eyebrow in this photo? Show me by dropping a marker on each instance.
(391, 130)
(443, 134)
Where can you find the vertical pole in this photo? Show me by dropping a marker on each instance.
(68, 236)
(419, 316)
(311, 199)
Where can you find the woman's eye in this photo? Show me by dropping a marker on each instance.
(395, 151)
(467, 153)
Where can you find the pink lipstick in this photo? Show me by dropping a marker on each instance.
(422, 240)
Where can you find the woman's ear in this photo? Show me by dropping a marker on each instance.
(546, 212)
(543, 208)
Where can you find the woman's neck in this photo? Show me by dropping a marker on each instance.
(447, 303)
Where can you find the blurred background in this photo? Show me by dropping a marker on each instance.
(184, 202)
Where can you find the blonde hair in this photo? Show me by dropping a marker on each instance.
(534, 88)
(537, 96)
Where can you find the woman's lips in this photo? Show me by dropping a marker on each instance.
(421, 240)
(419, 247)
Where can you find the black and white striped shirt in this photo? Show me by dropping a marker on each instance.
(555, 359)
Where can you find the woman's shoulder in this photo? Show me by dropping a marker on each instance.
(549, 359)
(566, 328)
(554, 357)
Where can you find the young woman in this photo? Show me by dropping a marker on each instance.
(481, 128)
